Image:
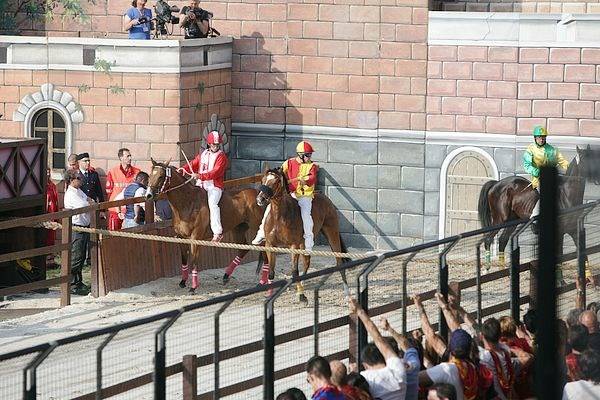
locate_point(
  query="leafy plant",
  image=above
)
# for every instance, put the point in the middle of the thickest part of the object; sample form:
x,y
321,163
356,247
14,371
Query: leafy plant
x,y
83,88
116,89
41,10
103,65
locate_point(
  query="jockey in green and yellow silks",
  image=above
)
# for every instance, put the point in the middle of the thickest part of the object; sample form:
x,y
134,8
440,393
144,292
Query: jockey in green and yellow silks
x,y
541,154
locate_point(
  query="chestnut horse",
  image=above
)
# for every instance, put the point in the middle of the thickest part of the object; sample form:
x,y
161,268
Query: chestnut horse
x,y
239,214
513,198
283,225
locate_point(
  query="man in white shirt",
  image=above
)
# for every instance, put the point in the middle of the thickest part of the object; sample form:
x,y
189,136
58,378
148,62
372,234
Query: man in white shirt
x,y
76,198
384,370
589,387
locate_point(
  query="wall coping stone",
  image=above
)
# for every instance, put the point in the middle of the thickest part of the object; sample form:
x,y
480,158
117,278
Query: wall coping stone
x,y
157,56
513,29
403,136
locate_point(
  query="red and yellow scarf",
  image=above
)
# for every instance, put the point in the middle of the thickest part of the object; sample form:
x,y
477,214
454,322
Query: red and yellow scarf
x,y
506,382
468,377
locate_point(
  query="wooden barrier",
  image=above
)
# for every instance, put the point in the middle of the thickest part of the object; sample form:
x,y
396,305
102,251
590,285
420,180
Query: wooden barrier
x,y
116,262
145,261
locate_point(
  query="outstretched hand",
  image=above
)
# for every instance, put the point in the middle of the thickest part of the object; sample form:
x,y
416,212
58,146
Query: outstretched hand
x,y
384,324
353,305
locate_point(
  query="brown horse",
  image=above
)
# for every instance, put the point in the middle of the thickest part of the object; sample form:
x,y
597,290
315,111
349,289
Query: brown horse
x,y
283,225
239,214
513,198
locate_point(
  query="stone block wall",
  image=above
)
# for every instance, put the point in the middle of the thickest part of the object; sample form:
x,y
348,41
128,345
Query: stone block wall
x,y
511,89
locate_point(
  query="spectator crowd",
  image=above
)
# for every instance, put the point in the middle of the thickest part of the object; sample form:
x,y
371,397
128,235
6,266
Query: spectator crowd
x,y
494,360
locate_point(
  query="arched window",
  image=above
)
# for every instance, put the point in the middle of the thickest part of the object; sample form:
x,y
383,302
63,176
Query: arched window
x,y
50,125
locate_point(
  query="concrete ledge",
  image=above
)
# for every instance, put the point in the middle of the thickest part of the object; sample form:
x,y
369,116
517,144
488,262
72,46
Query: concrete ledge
x,y
79,54
514,29
402,136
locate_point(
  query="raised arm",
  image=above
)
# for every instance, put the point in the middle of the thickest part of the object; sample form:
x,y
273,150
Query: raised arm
x,y
383,346
403,343
461,311
451,320
434,340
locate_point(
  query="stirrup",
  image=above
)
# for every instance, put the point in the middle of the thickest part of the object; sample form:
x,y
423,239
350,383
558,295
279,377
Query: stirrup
x,y
217,238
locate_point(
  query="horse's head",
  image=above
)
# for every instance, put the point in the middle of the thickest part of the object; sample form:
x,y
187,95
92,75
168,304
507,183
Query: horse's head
x,y
273,185
588,164
159,177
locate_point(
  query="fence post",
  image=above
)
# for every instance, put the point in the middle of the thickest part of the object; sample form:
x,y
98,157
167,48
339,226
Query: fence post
x,y
443,284
515,271
99,364
65,262
216,356
547,377
405,290
149,211
30,373
94,252
478,279
269,343
316,314
190,376
581,259
363,300
160,357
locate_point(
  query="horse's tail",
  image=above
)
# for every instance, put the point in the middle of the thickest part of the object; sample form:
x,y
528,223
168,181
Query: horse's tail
x,y
483,206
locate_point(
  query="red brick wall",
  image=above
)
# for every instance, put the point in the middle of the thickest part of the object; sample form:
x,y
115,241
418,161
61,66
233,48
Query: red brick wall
x,y
349,64
152,114
509,90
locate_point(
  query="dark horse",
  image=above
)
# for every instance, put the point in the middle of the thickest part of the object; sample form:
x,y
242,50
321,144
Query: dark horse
x,y
283,225
513,198
239,214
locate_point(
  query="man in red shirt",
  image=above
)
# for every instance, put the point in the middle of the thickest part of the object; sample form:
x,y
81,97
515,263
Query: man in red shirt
x,y
209,168
51,207
117,179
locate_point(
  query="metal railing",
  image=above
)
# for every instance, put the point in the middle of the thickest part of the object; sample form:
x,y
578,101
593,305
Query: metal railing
x,y
254,343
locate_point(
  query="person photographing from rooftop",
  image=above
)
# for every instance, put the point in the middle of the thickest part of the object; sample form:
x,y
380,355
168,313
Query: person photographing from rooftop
x,y
194,20
137,20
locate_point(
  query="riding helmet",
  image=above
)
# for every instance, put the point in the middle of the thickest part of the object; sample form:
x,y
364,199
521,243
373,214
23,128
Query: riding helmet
x,y
304,147
539,131
213,137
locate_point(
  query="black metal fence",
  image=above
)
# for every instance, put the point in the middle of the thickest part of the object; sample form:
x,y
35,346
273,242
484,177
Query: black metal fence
x,y
254,343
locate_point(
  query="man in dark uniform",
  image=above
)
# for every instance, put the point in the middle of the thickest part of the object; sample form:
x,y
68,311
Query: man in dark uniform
x,y
91,180
90,185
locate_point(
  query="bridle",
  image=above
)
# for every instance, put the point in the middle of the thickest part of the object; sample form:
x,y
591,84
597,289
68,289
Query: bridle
x,y
267,191
167,180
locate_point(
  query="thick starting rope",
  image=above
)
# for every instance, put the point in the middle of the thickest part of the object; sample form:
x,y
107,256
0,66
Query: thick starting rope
x,y
206,243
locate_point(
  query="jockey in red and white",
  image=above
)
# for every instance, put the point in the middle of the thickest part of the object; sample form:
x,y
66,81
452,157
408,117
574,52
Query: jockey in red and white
x,y
209,168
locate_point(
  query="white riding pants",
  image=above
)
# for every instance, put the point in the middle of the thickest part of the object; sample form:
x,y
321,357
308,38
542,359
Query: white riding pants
x,y
305,204
214,195
536,209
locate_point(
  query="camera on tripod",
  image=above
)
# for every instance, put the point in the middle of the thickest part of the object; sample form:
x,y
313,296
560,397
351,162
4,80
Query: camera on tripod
x,y
164,15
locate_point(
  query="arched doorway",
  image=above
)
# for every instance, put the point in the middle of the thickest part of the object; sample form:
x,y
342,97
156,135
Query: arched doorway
x,y
49,124
464,171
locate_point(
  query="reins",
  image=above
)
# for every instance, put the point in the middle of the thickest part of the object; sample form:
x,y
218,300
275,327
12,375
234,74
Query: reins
x,y
168,179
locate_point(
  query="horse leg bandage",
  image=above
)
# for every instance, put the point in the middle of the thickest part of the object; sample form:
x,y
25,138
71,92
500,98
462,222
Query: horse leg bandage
x,y
264,274
194,278
184,273
233,265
